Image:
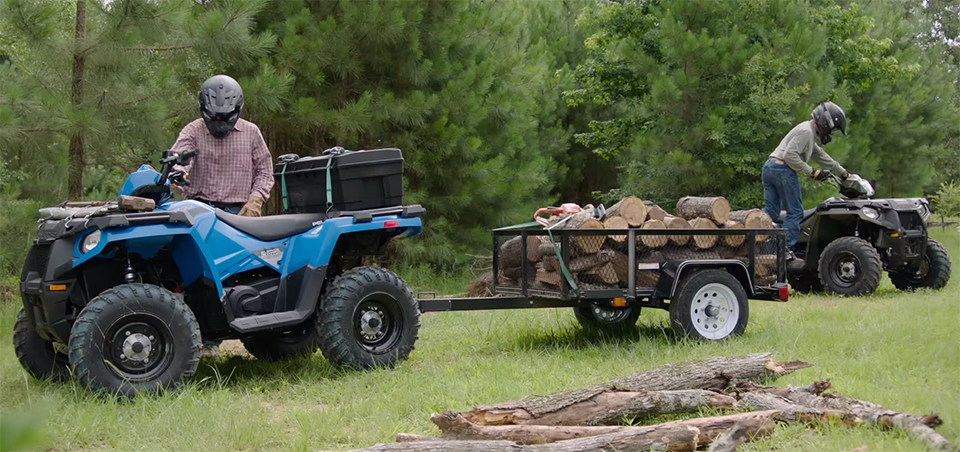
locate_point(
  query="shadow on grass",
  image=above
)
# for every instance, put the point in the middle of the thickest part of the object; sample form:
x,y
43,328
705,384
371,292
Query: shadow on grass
x,y
232,371
576,337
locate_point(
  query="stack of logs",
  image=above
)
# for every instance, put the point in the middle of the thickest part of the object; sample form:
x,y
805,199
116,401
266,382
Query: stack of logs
x,y
611,416
600,261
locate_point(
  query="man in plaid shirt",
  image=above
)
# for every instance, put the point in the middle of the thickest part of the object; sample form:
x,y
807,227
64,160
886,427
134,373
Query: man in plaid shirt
x,y
233,169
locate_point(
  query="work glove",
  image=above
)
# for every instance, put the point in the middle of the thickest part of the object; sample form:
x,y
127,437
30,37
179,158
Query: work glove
x,y
821,175
253,206
846,174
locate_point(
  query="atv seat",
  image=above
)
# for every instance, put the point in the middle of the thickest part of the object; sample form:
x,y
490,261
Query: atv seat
x,y
783,215
273,227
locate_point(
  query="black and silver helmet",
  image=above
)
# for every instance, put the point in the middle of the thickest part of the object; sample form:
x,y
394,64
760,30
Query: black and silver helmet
x,y
829,116
221,101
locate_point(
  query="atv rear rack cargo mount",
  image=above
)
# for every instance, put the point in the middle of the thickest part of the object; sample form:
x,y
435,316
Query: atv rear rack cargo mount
x,y
681,263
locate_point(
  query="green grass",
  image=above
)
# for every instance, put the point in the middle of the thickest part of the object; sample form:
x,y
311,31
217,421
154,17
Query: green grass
x,y
901,350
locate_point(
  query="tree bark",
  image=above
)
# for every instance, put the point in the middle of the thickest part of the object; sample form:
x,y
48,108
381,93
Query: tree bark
x,y
715,209
765,223
713,373
631,209
653,241
590,261
733,240
704,242
730,440
750,219
510,251
791,413
552,278
582,244
604,274
77,157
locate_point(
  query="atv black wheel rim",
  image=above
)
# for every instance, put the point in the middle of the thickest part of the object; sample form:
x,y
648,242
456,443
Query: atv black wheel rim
x,y
138,347
378,323
918,276
846,269
610,315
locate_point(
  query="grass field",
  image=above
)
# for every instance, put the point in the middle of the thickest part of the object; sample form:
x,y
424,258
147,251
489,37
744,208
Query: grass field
x,y
901,350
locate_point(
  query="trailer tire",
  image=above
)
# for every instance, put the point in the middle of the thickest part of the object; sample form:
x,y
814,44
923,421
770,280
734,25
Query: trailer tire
x,y
369,318
608,319
709,305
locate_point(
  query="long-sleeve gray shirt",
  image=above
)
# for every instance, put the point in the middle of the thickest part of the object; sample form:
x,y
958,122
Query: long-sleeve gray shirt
x,y
799,146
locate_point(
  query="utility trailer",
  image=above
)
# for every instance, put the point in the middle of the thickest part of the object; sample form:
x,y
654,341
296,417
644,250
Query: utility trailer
x,y
703,277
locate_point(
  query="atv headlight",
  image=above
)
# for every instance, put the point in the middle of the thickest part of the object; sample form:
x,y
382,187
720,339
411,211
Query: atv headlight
x,y
870,212
90,241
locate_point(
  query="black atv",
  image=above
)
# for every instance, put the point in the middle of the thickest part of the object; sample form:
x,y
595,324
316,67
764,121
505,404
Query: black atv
x,y
846,243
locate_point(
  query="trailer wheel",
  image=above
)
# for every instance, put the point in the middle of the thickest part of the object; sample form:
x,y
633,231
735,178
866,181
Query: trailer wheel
x,y
611,319
709,305
369,319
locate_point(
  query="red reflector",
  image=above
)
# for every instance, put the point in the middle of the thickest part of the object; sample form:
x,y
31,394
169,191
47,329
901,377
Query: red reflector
x,y
784,293
391,224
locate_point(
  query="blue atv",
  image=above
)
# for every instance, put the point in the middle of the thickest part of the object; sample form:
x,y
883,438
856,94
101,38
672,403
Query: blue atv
x,y
118,295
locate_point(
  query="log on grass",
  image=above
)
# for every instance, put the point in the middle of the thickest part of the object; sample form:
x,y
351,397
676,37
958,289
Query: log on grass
x,y
730,440
713,373
750,219
656,213
733,240
791,413
581,438
653,241
677,223
510,250
631,209
703,241
715,209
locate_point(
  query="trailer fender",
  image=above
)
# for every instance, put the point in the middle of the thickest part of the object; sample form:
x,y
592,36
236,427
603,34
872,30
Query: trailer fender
x,y
674,271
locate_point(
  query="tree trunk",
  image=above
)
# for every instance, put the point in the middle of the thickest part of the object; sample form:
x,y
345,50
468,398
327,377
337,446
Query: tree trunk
x,y
750,219
510,256
733,240
653,241
631,209
608,408
704,242
677,223
582,244
515,273
791,413
714,373
551,263
551,278
77,158
714,209
765,223
683,435
590,261
730,440
656,213
605,275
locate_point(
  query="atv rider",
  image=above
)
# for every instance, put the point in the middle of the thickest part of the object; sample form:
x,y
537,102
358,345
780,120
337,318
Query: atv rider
x,y
233,170
780,182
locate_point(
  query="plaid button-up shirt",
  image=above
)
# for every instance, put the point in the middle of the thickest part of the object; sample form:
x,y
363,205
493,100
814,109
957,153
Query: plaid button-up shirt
x,y
227,169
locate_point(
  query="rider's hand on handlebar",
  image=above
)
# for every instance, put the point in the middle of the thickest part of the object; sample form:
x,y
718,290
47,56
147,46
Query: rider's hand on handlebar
x,y
821,175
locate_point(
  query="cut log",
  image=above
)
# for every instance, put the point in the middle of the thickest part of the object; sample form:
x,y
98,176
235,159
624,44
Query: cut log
x,y
714,373
515,273
653,241
631,209
584,263
677,223
510,252
733,240
616,223
551,263
656,213
547,249
604,274
715,209
578,438
750,219
581,244
621,266
481,286
765,223
871,413
704,242
550,278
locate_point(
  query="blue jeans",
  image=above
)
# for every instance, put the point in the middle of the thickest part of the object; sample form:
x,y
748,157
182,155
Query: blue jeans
x,y
233,210
781,186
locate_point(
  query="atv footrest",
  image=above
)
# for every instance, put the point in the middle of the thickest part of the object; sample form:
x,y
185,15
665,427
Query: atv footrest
x,y
265,321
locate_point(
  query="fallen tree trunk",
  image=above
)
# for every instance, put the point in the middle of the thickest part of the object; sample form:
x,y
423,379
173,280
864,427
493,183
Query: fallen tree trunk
x,y
791,413
730,440
631,209
714,373
606,408
573,438
715,209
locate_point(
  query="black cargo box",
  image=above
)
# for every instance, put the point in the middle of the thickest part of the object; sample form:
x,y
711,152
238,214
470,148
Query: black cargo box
x,y
368,179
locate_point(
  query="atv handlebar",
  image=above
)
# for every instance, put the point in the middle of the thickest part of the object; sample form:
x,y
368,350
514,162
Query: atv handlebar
x,y
166,164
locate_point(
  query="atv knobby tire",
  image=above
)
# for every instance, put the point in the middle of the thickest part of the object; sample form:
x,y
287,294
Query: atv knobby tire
x,y
36,354
369,318
933,274
134,338
850,266
302,340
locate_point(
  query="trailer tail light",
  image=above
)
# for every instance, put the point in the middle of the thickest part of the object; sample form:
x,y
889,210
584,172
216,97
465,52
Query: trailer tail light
x,y
619,302
784,293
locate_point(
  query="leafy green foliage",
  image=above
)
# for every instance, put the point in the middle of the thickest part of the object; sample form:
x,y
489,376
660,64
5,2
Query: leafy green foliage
x,y
946,201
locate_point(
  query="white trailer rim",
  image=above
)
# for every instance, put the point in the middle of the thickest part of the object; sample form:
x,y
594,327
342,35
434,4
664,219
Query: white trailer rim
x,y
715,311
